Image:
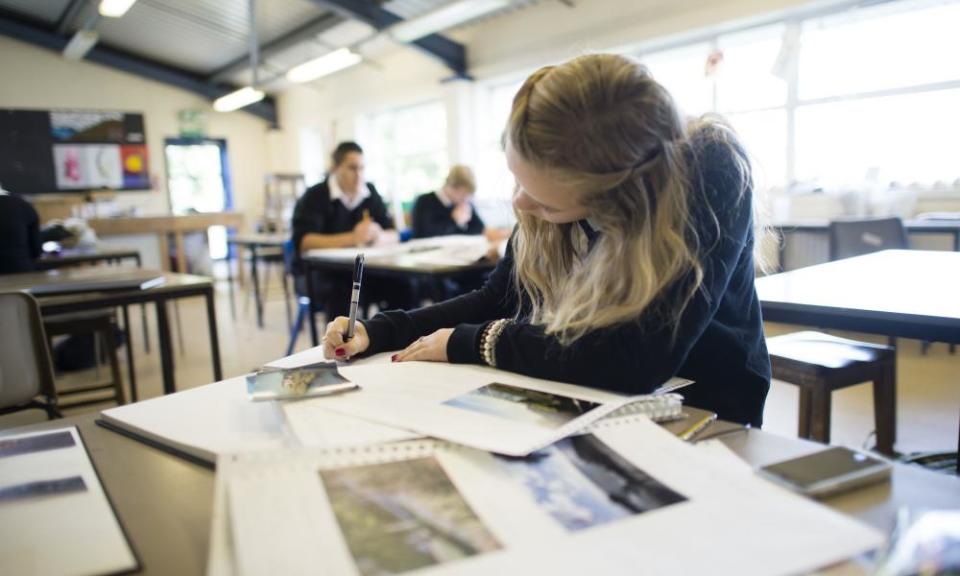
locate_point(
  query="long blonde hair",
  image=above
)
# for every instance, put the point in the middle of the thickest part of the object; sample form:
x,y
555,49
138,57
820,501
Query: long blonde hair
x,y
601,123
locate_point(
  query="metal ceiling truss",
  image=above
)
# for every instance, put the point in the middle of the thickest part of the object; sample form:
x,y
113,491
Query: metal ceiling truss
x,y
307,32
15,27
451,53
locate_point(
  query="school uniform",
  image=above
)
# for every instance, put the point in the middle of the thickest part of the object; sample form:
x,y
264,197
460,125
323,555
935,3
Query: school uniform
x,y
433,216
719,339
20,243
325,209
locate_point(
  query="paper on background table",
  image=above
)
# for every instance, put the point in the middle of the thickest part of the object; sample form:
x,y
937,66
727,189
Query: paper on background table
x,y
410,395
70,533
731,523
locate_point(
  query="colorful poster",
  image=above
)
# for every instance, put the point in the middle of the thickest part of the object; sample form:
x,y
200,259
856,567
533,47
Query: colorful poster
x,y
135,173
90,166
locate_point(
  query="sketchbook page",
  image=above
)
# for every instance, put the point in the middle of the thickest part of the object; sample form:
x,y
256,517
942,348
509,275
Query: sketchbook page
x,y
313,425
206,421
55,517
476,406
628,500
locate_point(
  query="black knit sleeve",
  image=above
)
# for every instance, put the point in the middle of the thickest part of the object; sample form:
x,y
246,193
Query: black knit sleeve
x,y
395,329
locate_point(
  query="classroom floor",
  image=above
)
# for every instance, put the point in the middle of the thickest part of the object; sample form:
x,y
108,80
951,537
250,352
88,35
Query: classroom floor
x,y
928,403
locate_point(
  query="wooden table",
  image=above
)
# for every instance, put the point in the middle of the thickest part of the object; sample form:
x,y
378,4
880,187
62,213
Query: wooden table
x,y
822,228
163,227
79,256
898,293
254,242
72,299
406,260
165,503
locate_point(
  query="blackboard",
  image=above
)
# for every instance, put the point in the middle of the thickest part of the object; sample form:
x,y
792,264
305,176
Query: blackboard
x,y
44,151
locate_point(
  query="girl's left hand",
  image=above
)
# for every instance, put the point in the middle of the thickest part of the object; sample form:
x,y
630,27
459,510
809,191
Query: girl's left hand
x,y
432,348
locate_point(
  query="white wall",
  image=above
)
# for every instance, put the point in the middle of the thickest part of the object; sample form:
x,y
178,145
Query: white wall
x,y
36,78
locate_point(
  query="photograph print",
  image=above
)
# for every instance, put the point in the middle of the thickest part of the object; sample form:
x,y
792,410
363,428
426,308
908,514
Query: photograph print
x,y
523,405
581,483
400,516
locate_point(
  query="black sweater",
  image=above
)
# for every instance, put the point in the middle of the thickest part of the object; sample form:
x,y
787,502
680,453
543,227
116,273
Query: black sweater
x,y
315,213
20,243
719,341
431,218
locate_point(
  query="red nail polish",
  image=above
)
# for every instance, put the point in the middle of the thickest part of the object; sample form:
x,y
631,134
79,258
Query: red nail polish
x,y
393,358
339,351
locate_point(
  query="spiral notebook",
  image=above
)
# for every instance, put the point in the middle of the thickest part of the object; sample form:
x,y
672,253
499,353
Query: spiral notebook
x,y
476,406
578,506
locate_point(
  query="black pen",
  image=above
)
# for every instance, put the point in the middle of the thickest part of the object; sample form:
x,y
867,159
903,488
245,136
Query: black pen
x,y
355,296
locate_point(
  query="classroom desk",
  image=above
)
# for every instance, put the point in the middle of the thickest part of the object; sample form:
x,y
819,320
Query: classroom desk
x,y
165,503
408,262
822,228
175,286
78,256
898,293
164,227
254,242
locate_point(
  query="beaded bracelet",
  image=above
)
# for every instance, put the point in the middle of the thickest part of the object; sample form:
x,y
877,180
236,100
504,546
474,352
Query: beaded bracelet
x,y
488,342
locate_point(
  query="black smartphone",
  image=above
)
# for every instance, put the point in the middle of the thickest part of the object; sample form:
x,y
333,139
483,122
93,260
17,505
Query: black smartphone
x,y
828,472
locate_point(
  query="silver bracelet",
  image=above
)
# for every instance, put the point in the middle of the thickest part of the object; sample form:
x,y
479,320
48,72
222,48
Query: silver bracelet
x,y
488,342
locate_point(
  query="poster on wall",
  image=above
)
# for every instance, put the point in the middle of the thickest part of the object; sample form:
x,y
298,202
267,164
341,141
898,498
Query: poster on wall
x,y
72,150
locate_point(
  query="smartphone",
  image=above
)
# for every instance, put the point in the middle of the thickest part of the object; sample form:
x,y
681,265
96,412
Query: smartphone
x,y
827,472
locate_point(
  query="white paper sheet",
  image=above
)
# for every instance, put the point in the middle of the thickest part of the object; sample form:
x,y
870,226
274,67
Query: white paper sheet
x,y
412,396
730,522
206,421
63,533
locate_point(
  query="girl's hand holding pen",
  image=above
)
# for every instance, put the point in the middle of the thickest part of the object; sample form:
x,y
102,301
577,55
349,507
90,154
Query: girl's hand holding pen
x,y
336,348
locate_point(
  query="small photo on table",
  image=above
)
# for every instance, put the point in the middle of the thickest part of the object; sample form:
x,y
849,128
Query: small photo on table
x,y
523,405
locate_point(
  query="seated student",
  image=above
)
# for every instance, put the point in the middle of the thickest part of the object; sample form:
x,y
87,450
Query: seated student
x,y
20,243
632,260
448,210
344,211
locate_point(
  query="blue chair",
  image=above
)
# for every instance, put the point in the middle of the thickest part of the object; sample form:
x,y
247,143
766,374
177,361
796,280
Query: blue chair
x,y
304,306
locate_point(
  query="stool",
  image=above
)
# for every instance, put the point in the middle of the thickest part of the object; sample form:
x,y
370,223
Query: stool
x,y
102,324
819,364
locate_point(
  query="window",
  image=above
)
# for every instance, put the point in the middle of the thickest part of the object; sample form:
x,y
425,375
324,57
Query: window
x,y
406,150
884,47
682,71
851,99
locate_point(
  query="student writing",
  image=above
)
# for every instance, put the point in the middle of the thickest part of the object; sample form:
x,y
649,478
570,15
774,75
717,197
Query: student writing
x,y
632,260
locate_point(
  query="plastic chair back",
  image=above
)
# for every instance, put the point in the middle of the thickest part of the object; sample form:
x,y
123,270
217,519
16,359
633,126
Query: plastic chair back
x,y
25,368
850,238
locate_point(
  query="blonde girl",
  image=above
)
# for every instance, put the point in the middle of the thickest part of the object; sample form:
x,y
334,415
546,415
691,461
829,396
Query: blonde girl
x,y
632,260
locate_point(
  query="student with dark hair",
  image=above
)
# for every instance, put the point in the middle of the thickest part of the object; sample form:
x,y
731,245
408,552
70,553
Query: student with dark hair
x,y
342,211
20,243
633,257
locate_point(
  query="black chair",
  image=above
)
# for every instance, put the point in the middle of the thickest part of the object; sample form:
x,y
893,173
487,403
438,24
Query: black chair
x,y
102,325
850,238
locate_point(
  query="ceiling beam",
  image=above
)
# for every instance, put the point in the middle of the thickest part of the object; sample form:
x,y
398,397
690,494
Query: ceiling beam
x,y
307,32
451,53
132,64
69,15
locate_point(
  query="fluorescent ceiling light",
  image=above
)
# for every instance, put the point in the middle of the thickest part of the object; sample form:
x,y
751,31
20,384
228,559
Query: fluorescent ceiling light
x,y
444,17
80,44
324,65
237,99
115,8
